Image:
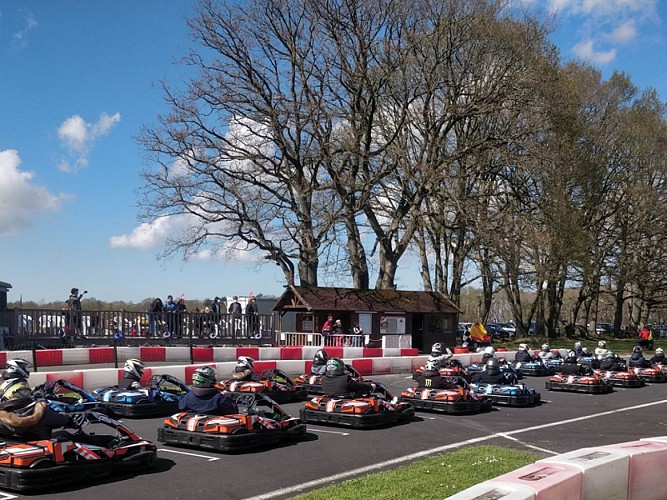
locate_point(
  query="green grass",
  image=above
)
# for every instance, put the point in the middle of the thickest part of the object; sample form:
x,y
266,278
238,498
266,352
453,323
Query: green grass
x,y
621,346
432,478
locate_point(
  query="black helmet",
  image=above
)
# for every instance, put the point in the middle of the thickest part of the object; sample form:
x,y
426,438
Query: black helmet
x,y
492,366
320,358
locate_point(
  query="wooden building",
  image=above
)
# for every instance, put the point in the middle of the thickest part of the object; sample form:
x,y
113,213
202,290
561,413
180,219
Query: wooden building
x,y
392,318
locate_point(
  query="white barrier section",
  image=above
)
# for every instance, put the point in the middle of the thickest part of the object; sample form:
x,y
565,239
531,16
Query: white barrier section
x,y
399,365
224,355
605,471
269,353
128,353
292,366
351,352
75,356
494,490
177,353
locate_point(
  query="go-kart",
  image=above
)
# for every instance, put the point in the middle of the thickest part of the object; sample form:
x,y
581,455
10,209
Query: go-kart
x,y
456,401
64,396
274,383
363,412
625,378
535,368
73,457
160,397
505,367
259,423
652,374
553,364
507,394
450,368
313,382
590,384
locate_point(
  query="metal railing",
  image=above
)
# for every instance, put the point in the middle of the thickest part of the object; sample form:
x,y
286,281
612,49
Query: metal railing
x,y
295,339
21,326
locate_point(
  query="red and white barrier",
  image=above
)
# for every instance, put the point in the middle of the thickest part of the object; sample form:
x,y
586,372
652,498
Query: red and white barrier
x,y
97,355
628,471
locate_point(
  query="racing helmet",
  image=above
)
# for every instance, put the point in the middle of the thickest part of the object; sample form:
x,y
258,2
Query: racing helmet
x,y
610,354
584,350
637,349
545,347
659,350
489,350
134,367
577,345
320,358
204,377
244,363
14,388
17,368
432,364
437,349
335,367
602,344
571,356
523,347
492,366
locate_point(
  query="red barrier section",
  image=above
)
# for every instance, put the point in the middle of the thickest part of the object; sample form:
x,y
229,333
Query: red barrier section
x,y
202,354
309,366
372,352
75,378
3,358
334,352
253,352
503,349
100,355
409,352
259,366
363,366
152,354
49,358
291,353
457,350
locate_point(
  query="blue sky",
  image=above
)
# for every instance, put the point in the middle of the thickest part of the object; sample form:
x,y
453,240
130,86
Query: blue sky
x,y
78,80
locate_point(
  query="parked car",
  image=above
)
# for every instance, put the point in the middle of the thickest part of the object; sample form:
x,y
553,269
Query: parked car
x,y
509,328
604,329
495,331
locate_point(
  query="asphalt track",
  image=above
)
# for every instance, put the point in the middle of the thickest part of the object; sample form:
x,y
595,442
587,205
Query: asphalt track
x,y
563,422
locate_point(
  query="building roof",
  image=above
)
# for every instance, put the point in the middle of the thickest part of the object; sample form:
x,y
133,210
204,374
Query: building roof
x,y
307,298
4,286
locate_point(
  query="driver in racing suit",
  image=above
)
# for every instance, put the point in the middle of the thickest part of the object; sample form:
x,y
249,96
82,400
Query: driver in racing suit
x,y
319,362
243,371
21,415
522,355
338,383
571,367
431,378
204,397
493,375
133,371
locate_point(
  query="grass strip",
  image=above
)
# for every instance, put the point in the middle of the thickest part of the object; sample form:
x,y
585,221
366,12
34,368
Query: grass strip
x,y
429,479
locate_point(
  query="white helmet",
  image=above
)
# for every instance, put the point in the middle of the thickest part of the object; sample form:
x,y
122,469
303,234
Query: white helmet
x,y
523,347
489,350
659,351
135,367
602,344
545,347
437,349
244,362
432,364
17,368
577,345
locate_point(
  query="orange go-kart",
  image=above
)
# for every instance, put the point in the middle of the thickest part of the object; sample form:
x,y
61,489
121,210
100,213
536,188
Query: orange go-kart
x,y
590,384
260,423
274,383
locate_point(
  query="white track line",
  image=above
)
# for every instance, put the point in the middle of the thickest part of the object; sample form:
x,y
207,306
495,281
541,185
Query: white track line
x,y
329,432
210,459
421,454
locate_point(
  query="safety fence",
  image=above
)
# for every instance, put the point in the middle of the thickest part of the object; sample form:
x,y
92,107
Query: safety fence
x,y
317,339
21,327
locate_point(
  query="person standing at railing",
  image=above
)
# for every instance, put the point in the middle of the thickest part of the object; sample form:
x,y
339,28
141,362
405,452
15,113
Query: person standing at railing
x,y
216,315
73,312
252,318
170,314
236,311
358,339
327,330
181,316
338,333
155,316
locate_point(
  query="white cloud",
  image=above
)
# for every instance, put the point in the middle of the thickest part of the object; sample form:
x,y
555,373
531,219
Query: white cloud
x,y
625,33
20,38
585,50
21,201
79,137
151,235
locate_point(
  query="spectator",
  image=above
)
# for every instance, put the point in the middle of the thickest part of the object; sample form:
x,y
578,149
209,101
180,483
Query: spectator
x,y
327,330
645,337
170,314
73,312
252,318
181,311
337,332
155,317
358,339
236,311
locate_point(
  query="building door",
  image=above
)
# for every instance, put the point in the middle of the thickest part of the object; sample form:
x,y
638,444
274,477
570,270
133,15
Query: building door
x,y
366,322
